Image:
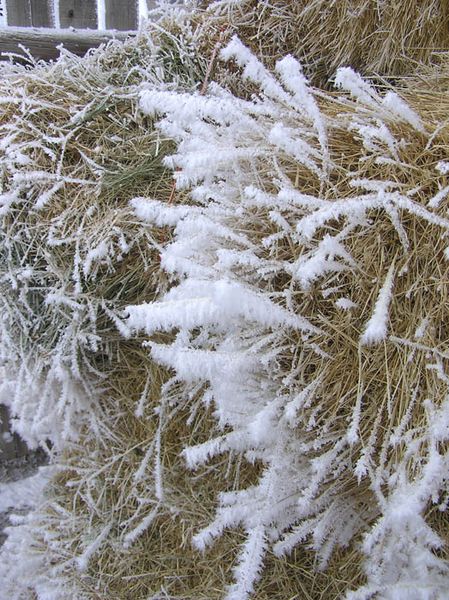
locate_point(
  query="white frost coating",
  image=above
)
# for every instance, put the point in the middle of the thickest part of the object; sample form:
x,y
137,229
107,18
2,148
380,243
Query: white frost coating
x,y
95,255
47,196
197,365
56,14
142,10
224,303
25,493
438,198
201,453
187,108
347,79
322,260
399,108
356,208
401,546
443,167
304,153
232,324
301,401
345,304
82,561
293,78
6,201
140,528
422,328
159,213
391,105
249,568
101,14
376,328
253,69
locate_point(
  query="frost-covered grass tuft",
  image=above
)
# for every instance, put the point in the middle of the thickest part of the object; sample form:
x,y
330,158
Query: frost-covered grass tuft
x,y
302,202
74,150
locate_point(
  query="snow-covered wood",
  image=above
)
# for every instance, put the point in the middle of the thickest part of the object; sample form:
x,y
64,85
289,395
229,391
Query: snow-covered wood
x,y
43,43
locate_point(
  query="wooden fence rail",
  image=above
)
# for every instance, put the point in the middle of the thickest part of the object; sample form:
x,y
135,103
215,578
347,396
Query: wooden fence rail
x,y
43,43
81,14
42,25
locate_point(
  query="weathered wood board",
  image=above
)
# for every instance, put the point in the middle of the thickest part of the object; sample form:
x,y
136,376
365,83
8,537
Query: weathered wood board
x,y
43,43
41,13
81,14
121,15
29,13
19,13
11,446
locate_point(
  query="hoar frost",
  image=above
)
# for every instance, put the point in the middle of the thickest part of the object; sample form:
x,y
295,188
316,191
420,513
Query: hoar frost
x,y
226,263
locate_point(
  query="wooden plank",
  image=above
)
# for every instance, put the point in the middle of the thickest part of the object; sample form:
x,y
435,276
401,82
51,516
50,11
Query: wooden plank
x,y
81,14
43,43
121,14
41,13
18,13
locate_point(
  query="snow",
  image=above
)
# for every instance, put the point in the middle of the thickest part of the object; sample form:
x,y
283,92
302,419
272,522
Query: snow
x,y
443,167
377,325
55,12
101,14
345,303
24,493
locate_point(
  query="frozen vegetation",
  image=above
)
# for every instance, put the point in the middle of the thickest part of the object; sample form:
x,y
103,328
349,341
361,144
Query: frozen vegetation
x,y
288,305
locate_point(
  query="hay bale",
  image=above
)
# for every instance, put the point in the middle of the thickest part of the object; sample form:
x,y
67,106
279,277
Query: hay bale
x,y
98,533
377,38
312,306
148,551
74,150
302,433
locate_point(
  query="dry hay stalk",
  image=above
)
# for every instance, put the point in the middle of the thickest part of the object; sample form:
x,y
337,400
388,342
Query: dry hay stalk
x,y
340,219
384,38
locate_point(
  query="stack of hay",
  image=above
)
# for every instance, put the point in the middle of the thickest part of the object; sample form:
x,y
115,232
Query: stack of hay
x,y
75,149
377,38
244,377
